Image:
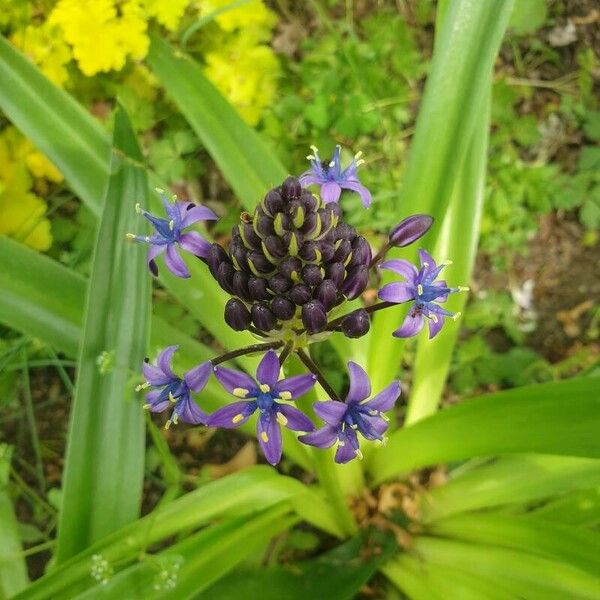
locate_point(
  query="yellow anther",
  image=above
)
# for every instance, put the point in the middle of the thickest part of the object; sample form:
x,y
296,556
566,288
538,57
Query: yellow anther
x,y
456,316
420,290
341,444
130,236
282,419
142,386
171,224
358,155
146,406
285,395
310,157
237,418
172,398
138,208
360,161
314,148
354,426
264,388
264,437
332,164
240,392
359,454
373,412
434,318
147,238
426,264
174,198
447,262
159,190
384,417
463,288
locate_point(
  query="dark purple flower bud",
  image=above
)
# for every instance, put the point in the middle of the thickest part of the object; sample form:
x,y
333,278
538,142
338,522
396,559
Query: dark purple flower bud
x,y
263,224
273,248
314,316
290,265
336,272
259,261
335,209
273,202
312,275
361,252
249,237
280,283
262,316
282,308
257,288
355,282
216,256
326,293
326,216
356,324
327,250
240,285
238,255
281,224
237,316
300,294
310,252
345,232
410,230
344,247
309,227
291,188
309,201
225,277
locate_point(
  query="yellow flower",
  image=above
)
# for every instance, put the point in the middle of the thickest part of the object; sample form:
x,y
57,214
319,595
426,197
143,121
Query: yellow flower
x,y
21,211
166,12
45,47
101,38
252,17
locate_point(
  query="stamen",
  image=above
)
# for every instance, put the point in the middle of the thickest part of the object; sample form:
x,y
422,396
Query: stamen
x,y
456,316
146,406
240,392
434,318
354,426
420,290
130,236
358,155
159,190
314,149
171,224
285,395
360,161
142,386
359,454
172,398
138,208
282,419
426,264
384,417
341,444
447,262
265,388
310,157
168,424
237,418
373,412
332,164
264,437
463,288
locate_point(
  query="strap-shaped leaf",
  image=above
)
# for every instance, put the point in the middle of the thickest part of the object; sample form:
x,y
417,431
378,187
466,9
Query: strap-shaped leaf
x,y
551,418
105,449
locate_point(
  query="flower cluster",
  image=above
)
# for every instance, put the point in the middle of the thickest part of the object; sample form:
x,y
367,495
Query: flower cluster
x,y
290,268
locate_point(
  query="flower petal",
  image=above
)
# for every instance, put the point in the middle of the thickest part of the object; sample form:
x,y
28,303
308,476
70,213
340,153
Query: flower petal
x,y
154,250
195,244
296,419
413,323
295,385
187,410
197,213
235,380
356,186
175,263
347,446
157,400
372,427
331,411
309,178
154,376
397,292
163,361
360,386
269,436
321,438
386,399
268,369
435,326
427,260
402,267
330,192
232,415
198,377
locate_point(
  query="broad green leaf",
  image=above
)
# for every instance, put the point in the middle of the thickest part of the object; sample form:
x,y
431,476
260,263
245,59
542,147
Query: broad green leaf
x,y
580,509
513,481
551,418
246,162
13,570
525,575
104,466
335,575
454,95
569,545
238,495
40,297
57,125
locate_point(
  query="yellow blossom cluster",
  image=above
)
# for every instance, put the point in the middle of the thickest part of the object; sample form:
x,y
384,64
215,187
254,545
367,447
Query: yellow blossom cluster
x,y
22,212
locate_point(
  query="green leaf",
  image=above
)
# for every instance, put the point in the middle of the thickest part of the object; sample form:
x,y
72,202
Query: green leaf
x,y
552,418
40,297
579,548
513,481
456,89
528,16
246,162
73,140
105,448
581,509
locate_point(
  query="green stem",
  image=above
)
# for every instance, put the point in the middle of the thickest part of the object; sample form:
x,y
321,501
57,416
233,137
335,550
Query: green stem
x,y
247,350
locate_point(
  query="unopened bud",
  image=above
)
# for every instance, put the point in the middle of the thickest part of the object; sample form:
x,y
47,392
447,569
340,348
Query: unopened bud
x,y
273,202
356,324
283,308
240,285
336,272
291,188
410,230
326,294
300,294
356,282
280,283
314,316
312,275
237,316
257,288
262,316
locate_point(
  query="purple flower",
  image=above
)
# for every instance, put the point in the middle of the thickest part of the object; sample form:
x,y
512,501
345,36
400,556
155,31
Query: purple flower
x,y
169,234
168,389
356,413
265,395
422,288
332,179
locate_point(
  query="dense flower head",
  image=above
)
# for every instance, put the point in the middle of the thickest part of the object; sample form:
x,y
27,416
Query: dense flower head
x,y
167,389
169,234
357,414
424,290
332,179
